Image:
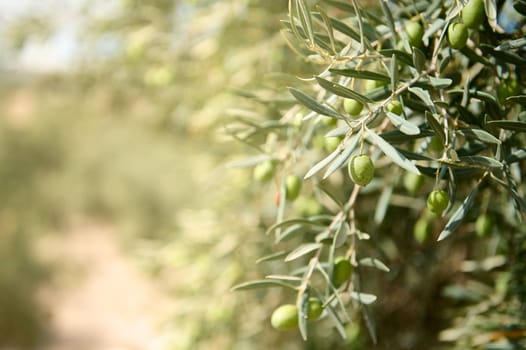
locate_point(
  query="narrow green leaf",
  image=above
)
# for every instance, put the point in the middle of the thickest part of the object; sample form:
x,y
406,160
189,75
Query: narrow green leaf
x,y
481,161
284,278
393,71
389,15
338,323
328,25
419,59
374,262
293,222
508,125
302,315
402,124
344,29
437,128
341,160
312,104
339,131
440,83
403,56
340,237
305,19
321,164
341,90
273,256
425,97
303,250
290,231
383,204
459,215
479,134
392,153
360,74
262,284
363,298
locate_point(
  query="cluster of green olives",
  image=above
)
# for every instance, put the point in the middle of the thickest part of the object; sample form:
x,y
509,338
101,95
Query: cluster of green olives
x,y
285,316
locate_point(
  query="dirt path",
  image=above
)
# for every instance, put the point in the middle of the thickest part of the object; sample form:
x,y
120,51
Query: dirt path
x,y
103,301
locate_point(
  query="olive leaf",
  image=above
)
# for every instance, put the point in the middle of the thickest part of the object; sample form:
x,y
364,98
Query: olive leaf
x,y
459,215
391,152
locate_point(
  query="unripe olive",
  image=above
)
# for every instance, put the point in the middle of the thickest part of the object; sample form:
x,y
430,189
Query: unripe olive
x,y
395,107
342,271
307,206
264,171
332,143
352,107
292,187
285,317
369,85
328,121
473,13
413,182
361,169
483,225
422,230
457,35
507,88
414,32
437,201
436,145
315,309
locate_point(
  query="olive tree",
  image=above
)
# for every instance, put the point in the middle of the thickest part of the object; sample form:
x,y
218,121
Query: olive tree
x,y
393,173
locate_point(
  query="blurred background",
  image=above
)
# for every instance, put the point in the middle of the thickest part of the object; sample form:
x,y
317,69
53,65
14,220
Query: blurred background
x,y
120,227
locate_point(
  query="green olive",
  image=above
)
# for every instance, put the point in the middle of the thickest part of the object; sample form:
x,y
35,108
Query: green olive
x,y
342,271
307,206
413,182
369,85
415,33
507,88
473,14
315,309
328,121
352,107
457,35
422,230
264,172
361,169
285,317
332,143
437,201
395,107
483,225
292,187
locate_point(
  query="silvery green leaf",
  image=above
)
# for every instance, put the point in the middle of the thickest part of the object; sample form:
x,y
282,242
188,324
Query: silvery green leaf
x,y
321,164
373,262
342,91
458,216
392,153
262,284
312,104
479,134
303,250
363,298
402,124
